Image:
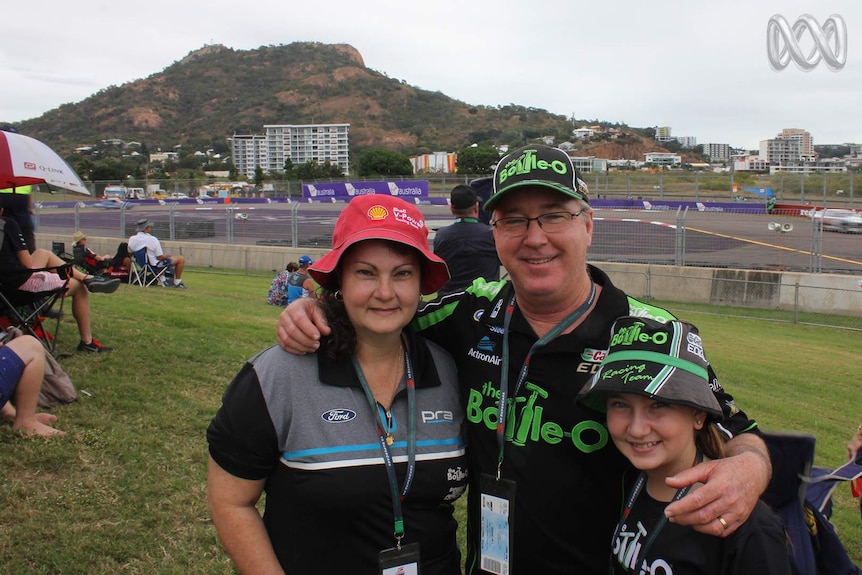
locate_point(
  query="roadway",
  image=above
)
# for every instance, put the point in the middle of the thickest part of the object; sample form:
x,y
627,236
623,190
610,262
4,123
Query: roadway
x,y
714,239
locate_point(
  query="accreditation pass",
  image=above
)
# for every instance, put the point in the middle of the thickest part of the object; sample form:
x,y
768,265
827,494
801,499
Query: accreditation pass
x,y
494,548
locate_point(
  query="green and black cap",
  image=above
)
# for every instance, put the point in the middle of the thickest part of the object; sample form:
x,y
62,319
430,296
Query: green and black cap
x,y
664,361
537,165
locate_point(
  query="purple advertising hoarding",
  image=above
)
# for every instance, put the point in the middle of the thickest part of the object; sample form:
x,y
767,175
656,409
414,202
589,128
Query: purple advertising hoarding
x,y
673,205
343,191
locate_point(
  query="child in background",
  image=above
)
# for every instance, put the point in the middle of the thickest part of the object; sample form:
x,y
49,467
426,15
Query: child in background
x,y
22,367
278,290
662,415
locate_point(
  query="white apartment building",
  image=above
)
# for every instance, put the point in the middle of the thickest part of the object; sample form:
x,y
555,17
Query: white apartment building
x,y
588,164
781,151
668,159
831,166
248,152
806,144
717,152
307,143
687,141
746,163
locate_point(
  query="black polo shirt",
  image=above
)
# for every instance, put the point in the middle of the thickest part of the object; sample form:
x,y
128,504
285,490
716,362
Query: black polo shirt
x,y
567,470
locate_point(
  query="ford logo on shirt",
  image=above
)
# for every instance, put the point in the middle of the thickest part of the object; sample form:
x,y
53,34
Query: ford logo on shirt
x,y
338,415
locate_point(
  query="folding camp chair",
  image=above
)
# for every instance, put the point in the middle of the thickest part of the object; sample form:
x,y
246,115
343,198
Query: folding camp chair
x,y
816,551
59,250
87,264
29,311
143,273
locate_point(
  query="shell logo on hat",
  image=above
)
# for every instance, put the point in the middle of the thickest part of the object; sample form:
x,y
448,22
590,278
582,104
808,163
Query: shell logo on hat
x,y
377,212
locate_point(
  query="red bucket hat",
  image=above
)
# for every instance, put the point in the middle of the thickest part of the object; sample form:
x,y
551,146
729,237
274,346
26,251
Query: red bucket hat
x,y
381,217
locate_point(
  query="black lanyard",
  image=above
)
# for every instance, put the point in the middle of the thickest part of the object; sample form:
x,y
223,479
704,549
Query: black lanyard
x,y
398,495
504,378
659,524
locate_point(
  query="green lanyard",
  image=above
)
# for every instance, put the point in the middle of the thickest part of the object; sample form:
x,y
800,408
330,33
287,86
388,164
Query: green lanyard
x,y
504,377
398,495
660,523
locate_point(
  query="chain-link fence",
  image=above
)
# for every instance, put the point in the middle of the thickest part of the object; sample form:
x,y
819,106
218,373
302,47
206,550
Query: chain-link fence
x,y
737,238
731,247
817,188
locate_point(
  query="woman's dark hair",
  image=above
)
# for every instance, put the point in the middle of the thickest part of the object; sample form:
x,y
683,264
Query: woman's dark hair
x,y
342,341
291,266
121,255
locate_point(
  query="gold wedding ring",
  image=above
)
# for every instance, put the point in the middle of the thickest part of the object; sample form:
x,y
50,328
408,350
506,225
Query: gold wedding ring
x,y
722,521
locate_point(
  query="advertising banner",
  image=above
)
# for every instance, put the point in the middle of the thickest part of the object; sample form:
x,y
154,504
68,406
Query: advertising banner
x,y
343,191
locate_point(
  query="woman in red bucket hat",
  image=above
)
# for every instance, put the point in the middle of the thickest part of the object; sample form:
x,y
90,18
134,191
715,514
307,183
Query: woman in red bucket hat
x,y
358,447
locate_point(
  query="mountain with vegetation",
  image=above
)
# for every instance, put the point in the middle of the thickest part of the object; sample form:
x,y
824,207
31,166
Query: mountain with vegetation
x,y
214,92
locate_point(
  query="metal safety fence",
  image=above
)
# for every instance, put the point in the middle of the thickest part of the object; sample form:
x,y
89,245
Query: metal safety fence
x,y
739,238
247,237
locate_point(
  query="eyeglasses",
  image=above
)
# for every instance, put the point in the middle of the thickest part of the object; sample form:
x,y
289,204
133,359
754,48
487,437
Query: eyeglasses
x,y
550,223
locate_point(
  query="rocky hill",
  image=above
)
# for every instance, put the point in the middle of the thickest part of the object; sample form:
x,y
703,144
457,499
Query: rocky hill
x,y
216,91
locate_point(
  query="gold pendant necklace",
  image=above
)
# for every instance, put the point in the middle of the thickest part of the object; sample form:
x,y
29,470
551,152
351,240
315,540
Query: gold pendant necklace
x,y
389,439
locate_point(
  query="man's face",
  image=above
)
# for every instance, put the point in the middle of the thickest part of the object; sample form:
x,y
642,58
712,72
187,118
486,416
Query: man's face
x,y
542,264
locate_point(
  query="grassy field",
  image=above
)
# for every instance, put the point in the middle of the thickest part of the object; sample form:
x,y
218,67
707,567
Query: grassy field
x,y
124,490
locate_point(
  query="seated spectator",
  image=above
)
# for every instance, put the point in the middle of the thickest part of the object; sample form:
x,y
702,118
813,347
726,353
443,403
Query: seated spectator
x,y
17,203
300,284
278,290
22,367
17,263
121,263
87,258
156,256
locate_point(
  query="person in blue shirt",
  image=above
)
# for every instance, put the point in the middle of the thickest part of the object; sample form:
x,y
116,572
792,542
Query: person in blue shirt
x,y
300,284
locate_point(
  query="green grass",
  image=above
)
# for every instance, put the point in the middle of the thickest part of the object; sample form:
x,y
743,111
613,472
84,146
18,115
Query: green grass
x,y
124,490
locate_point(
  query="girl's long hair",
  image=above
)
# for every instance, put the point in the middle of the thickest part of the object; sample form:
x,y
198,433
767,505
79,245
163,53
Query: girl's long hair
x,y
710,441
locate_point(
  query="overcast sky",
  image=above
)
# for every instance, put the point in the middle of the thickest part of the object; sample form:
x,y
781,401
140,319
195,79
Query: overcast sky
x,y
700,68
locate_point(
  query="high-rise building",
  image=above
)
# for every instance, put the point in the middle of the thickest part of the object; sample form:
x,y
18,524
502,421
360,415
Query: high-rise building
x,y
806,144
662,134
717,152
781,152
248,152
316,143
